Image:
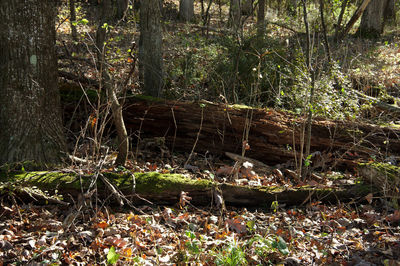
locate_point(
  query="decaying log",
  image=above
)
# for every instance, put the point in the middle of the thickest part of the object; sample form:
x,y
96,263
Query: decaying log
x,y
274,136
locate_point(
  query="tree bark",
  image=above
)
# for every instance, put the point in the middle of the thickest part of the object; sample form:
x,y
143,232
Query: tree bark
x,y
186,10
261,18
122,7
235,14
72,12
150,48
30,116
390,12
372,22
354,19
274,136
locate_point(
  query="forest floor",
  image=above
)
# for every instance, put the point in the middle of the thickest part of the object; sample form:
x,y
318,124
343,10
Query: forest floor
x,y
365,231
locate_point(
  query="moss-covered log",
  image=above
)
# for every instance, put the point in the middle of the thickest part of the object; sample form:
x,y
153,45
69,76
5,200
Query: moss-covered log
x,y
166,189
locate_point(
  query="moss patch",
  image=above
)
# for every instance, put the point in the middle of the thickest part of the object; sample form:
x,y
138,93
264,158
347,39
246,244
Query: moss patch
x,y
145,182
390,171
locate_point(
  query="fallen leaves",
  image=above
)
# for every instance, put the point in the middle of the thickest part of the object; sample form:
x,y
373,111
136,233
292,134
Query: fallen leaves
x,y
318,233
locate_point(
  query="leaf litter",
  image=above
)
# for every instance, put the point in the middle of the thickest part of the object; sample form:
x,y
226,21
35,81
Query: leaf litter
x,y
358,233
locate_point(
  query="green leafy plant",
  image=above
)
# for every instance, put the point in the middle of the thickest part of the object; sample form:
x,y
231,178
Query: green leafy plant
x,y
112,256
264,246
233,255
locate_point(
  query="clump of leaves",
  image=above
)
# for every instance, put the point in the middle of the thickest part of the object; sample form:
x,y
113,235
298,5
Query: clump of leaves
x,y
232,255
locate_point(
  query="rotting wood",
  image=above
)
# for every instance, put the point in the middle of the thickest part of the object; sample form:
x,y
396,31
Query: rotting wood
x,y
274,135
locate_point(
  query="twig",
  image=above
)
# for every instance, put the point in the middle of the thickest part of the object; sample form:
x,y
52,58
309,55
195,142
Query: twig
x,y
197,137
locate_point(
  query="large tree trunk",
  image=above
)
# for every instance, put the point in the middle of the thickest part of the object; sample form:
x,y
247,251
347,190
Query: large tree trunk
x,y
30,117
274,136
186,10
372,22
150,47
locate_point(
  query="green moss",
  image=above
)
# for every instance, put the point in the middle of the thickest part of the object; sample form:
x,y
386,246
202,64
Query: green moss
x,y
384,169
239,106
156,182
335,176
145,182
45,180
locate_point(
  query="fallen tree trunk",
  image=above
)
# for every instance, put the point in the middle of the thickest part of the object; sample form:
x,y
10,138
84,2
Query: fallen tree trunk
x,y
274,137
166,189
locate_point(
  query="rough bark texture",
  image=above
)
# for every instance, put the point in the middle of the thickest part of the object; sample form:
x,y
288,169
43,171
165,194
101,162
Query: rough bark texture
x,y
372,18
186,10
72,13
150,47
390,12
261,17
273,137
354,19
30,117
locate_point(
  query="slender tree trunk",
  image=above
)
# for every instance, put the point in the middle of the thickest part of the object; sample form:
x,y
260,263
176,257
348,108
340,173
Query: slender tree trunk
x,y
307,136
30,116
186,10
372,22
235,14
327,49
261,18
109,84
150,48
72,20
105,17
339,22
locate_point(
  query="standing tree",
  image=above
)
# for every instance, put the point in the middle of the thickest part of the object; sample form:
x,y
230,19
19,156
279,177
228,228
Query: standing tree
x,y
186,10
235,14
30,113
372,20
261,18
122,7
150,48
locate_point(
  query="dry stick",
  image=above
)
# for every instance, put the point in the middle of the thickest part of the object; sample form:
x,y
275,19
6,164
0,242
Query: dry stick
x,y
140,130
176,129
197,137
